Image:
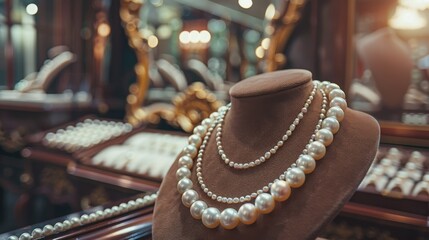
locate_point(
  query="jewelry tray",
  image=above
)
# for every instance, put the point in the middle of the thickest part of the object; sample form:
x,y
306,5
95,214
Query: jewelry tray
x,y
392,205
79,162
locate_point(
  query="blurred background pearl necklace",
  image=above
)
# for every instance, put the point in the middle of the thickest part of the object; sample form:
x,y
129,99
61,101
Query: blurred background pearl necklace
x,y
273,150
280,189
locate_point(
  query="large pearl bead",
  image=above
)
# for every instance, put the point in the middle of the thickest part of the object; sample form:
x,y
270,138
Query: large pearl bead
x,y
197,209
183,172
325,136
185,161
337,93
306,163
248,213
190,150
296,177
214,115
211,217
200,130
195,140
280,190
317,150
189,197
184,184
331,124
265,203
207,122
229,218
331,86
340,102
336,112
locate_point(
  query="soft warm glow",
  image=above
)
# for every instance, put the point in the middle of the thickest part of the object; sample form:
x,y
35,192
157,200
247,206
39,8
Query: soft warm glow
x,y
152,41
270,12
245,3
265,44
205,36
407,19
103,29
194,36
259,52
32,9
415,4
184,37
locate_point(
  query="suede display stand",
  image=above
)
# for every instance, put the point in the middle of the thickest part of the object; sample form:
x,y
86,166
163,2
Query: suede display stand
x,y
263,107
389,59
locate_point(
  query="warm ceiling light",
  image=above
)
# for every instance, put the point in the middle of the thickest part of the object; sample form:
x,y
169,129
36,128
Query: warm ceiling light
x,y
259,52
152,41
184,37
103,29
245,3
31,9
406,19
265,43
194,36
270,12
205,36
416,4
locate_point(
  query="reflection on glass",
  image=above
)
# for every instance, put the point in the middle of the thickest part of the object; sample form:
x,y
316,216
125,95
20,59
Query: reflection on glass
x,y
392,65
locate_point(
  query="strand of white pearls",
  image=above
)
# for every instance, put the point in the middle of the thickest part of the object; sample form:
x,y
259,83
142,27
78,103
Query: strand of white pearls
x,y
99,215
265,188
273,150
280,190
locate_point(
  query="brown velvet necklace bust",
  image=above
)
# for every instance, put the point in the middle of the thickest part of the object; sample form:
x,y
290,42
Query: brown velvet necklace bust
x,y
263,107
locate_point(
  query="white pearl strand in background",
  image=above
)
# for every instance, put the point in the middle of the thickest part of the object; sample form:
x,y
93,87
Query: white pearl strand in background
x,y
280,190
85,134
309,164
268,154
99,215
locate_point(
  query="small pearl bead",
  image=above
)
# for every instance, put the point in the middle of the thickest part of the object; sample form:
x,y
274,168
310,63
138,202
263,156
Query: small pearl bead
x,y
340,102
211,217
336,112
195,140
229,218
280,190
324,136
185,161
48,229
182,173
184,184
197,209
248,213
296,177
265,203
306,163
189,197
317,150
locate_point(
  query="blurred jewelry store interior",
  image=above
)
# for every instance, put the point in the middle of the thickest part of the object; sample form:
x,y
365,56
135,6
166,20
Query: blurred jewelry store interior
x,y
99,98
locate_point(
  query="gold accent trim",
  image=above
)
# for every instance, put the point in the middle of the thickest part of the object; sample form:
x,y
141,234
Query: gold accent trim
x,y
282,26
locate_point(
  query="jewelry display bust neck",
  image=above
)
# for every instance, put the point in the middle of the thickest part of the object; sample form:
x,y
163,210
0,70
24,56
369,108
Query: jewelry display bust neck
x,y
262,109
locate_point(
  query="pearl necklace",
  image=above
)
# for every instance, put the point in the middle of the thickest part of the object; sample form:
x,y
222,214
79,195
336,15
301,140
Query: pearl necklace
x,y
248,197
267,155
280,189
